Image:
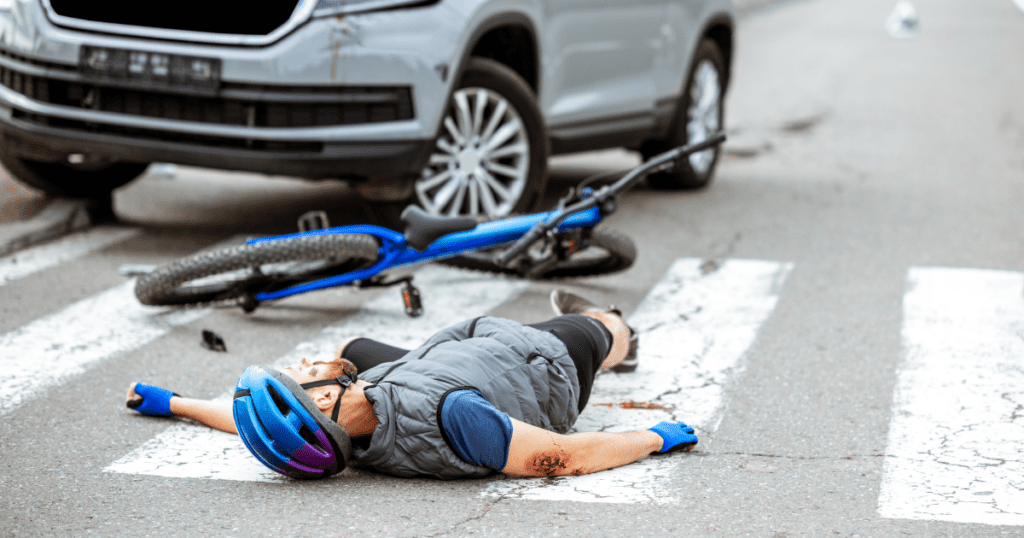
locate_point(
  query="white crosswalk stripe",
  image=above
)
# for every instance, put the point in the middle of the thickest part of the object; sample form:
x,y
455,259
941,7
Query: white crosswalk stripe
x,y
957,427
52,349
694,329
33,260
452,295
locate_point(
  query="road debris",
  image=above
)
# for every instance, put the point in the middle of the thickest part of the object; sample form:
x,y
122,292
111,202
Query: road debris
x,y
213,341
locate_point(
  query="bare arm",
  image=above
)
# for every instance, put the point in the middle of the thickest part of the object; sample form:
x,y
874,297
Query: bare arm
x,y
535,451
213,413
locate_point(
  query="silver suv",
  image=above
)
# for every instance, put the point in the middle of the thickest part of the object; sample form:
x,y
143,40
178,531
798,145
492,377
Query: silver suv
x,y
455,104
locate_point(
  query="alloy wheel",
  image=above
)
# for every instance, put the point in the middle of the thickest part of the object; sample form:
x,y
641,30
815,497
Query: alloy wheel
x,y
704,116
480,164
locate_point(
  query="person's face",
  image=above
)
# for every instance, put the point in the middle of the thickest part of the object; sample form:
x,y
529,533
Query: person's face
x,y
307,371
324,397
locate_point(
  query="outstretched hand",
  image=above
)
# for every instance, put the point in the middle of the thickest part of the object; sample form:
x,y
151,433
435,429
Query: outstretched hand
x,y
150,400
675,435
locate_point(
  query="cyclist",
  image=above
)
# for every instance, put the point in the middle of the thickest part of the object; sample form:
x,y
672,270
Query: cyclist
x,y
486,394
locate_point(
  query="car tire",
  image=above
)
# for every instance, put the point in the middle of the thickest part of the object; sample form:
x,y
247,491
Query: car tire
x,y
94,181
699,113
490,156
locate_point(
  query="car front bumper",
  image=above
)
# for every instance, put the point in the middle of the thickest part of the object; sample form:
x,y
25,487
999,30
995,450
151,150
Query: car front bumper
x,y
337,97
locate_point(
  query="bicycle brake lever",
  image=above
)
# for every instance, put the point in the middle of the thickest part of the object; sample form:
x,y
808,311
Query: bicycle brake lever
x,y
683,152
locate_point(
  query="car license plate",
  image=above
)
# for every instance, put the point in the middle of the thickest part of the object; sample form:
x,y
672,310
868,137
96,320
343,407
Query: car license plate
x,y
149,69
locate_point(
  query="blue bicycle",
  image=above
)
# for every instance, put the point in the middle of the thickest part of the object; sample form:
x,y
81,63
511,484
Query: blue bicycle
x,y
561,243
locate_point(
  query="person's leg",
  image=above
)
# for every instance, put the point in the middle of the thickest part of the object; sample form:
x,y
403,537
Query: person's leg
x,y
365,353
623,356
620,336
588,343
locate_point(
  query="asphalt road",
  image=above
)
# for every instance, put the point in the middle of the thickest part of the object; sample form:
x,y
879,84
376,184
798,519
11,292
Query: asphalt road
x,y
856,159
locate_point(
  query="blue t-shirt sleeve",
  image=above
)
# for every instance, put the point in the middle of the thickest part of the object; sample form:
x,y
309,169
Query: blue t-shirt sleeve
x,y
478,431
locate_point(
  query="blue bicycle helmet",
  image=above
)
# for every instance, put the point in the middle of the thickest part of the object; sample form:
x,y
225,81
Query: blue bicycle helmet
x,y
284,429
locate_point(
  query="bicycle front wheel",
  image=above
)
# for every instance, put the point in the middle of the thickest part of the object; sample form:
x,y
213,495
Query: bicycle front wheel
x,y
609,252
245,270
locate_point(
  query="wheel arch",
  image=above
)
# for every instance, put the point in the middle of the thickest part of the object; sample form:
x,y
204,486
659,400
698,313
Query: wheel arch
x,y
721,30
511,40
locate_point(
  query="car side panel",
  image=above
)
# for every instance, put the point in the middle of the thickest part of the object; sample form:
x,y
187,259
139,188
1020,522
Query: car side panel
x,y
685,22
598,60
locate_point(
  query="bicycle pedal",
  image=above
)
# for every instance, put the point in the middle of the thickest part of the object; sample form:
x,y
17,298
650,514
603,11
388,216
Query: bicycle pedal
x,y
313,220
248,303
411,299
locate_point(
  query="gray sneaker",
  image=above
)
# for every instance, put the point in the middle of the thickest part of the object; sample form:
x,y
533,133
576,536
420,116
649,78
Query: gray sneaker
x,y
564,302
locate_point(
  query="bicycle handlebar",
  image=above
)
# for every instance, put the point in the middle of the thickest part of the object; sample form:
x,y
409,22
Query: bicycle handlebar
x,y
657,163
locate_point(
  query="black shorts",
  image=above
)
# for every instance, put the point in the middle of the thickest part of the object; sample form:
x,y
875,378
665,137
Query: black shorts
x,y
586,340
588,343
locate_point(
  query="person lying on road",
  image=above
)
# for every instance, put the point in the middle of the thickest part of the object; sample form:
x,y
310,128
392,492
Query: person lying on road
x,y
486,394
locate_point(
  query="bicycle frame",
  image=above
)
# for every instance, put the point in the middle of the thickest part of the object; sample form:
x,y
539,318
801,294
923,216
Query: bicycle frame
x,y
520,231
395,252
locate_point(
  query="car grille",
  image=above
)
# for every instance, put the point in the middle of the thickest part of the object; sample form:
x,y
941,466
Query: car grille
x,y
233,104
226,17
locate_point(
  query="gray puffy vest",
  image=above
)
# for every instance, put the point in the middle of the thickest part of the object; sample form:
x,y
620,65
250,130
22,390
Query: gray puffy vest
x,y
522,371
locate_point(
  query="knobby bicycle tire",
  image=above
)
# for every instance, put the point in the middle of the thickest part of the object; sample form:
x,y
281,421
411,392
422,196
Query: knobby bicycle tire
x,y
169,285
618,254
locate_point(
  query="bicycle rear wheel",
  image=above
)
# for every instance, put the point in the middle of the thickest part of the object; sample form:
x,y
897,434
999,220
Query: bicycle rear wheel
x,y
245,270
609,252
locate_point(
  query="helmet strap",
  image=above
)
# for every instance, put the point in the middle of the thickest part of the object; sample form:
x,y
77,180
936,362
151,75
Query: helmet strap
x,y
343,381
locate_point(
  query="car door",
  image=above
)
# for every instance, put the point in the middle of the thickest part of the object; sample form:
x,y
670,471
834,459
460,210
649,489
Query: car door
x,y
679,28
599,59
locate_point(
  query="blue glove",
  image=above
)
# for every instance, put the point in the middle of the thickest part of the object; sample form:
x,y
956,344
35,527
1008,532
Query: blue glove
x,y
153,401
676,435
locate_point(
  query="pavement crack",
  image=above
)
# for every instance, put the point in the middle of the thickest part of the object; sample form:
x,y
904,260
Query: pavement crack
x,y
1018,408
454,528
803,458
684,316
716,261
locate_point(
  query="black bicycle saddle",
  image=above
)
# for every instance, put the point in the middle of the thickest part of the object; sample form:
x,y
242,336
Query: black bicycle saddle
x,y
422,228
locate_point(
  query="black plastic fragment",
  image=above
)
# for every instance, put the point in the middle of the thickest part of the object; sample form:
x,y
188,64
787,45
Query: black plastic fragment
x,y
213,341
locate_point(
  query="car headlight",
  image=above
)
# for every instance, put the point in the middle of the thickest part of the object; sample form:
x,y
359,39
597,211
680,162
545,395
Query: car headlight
x,y
326,8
